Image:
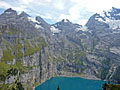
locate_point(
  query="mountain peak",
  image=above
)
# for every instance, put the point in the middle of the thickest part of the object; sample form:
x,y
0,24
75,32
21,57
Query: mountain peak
x,y
9,11
42,22
115,9
24,14
65,20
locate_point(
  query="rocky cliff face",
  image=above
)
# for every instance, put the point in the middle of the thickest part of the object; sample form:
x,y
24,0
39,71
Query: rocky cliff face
x,y
32,51
21,50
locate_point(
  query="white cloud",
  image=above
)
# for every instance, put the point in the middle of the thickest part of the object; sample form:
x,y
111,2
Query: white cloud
x,y
26,1
20,9
59,4
74,14
97,5
48,0
63,16
47,16
77,11
82,22
4,5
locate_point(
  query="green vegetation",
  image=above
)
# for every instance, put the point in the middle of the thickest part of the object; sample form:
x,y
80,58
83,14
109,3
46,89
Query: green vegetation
x,y
29,51
36,84
111,86
27,44
13,86
4,87
7,44
105,68
4,68
80,56
32,48
10,70
21,67
7,55
18,51
15,51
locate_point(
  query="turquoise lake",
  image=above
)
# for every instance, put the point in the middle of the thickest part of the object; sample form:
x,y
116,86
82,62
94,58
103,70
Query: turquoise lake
x,y
71,83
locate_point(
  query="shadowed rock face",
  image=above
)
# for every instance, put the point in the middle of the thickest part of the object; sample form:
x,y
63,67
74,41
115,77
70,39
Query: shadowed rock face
x,y
63,48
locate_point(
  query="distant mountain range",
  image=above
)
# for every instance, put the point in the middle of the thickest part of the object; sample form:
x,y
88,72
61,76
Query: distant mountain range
x,y
32,51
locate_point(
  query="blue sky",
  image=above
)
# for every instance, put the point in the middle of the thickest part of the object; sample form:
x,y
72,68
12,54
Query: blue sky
x,y
77,11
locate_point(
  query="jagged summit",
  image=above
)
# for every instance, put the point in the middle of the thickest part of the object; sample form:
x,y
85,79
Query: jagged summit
x,y
115,10
24,14
8,15
107,19
65,20
113,14
39,19
10,10
96,22
42,22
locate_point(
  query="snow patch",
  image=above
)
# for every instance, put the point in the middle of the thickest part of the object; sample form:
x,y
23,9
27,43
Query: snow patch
x,y
83,28
113,24
102,14
38,26
54,30
33,20
8,12
99,19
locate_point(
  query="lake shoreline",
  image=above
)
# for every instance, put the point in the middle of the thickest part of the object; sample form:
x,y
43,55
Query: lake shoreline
x,y
80,76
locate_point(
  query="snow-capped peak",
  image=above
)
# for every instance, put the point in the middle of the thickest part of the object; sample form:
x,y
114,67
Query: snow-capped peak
x,y
24,14
113,14
110,17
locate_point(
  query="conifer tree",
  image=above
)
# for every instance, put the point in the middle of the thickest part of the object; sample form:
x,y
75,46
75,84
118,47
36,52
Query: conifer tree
x,y
58,88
